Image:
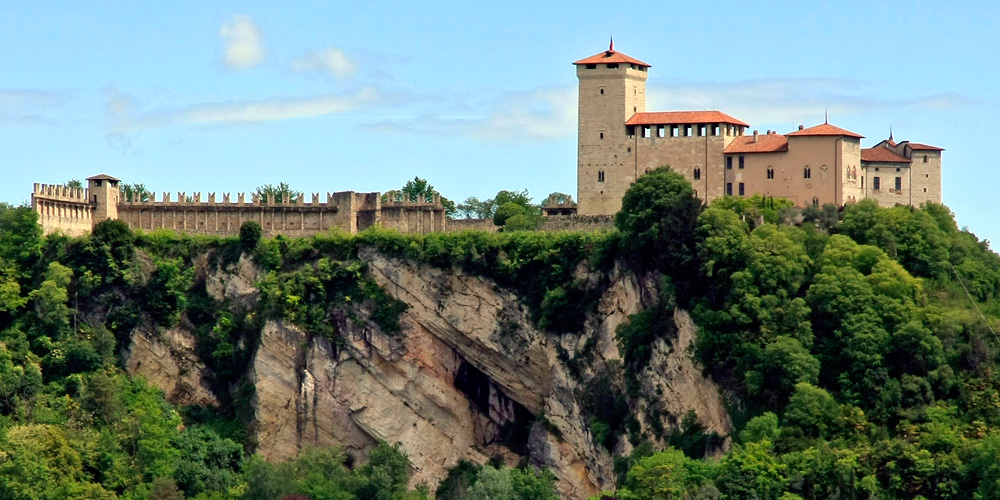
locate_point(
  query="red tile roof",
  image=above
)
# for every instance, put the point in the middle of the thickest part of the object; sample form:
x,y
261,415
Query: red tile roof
x,y
682,117
766,143
611,56
824,129
882,155
924,147
102,177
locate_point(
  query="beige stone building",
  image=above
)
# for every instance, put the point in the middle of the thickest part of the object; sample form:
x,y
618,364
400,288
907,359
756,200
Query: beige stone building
x,y
618,141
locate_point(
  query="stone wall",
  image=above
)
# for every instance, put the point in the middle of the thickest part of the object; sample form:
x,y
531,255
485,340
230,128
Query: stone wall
x,y
62,208
579,223
472,225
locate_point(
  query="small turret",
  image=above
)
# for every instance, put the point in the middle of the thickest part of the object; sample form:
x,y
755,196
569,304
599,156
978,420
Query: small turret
x,y
104,194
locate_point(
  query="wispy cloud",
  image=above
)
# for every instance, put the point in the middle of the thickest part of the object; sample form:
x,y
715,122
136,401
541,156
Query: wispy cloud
x,y
26,107
124,119
531,116
786,100
330,60
244,47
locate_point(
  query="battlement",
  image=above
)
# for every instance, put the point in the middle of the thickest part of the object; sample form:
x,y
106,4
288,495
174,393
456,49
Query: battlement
x,y
399,199
60,192
240,200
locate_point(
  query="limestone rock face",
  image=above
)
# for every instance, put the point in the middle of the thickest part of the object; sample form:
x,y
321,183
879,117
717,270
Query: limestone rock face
x,y
468,377
168,361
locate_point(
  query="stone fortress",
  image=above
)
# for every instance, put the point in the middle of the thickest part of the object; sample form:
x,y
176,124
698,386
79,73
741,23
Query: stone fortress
x,y
618,141
74,211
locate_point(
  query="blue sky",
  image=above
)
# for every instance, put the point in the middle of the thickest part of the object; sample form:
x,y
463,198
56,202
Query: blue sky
x,y
475,97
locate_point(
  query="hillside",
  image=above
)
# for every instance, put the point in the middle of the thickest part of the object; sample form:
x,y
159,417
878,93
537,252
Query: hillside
x,y
742,350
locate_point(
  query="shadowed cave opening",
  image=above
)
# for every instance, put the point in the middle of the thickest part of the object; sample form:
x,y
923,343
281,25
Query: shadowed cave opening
x,y
513,419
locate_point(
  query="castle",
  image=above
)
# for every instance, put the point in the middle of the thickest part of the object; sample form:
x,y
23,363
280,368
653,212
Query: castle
x,y
74,211
618,141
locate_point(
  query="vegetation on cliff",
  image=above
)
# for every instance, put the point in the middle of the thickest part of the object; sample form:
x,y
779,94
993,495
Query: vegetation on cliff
x,y
856,348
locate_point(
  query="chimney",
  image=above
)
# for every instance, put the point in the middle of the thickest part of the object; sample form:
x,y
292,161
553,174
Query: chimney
x,y
755,136
801,127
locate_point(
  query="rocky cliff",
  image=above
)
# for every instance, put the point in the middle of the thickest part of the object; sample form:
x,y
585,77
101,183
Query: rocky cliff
x,y
468,377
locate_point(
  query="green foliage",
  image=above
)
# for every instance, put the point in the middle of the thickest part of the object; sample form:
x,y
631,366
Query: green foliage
x,y
657,224
419,190
250,235
282,193
135,192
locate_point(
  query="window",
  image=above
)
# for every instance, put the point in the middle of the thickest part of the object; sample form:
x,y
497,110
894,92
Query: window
x,y
661,131
876,183
591,66
927,176
925,190
742,192
629,150
645,131
729,189
702,131
729,163
897,169
602,91
687,130
815,201
630,130
899,183
97,182
741,162
602,135
715,129
862,183
600,176
613,66
807,173
697,173
770,172
876,169
674,131
925,158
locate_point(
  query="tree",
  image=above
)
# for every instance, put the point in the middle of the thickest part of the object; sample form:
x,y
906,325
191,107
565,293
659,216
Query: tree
x,y
20,237
281,193
420,191
135,192
473,208
74,183
250,235
658,220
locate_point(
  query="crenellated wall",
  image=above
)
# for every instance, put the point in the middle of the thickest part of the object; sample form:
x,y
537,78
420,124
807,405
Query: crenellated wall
x,y
62,208
73,211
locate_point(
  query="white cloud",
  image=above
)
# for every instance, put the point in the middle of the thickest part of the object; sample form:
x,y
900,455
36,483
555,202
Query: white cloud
x,y
329,60
26,107
123,120
537,115
243,42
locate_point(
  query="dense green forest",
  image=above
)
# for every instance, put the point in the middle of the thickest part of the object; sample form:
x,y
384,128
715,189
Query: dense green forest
x,y
856,349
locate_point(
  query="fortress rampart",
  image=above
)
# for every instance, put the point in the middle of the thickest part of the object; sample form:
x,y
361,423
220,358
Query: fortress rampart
x,y
74,211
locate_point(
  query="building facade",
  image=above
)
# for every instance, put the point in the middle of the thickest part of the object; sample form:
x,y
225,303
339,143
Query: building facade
x,y
618,141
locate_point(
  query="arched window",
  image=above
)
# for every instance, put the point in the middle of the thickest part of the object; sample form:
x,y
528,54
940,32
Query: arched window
x,y
815,201
600,176
770,172
807,172
697,173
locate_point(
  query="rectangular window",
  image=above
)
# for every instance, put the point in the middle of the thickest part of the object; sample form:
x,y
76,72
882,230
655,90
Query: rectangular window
x,y
729,189
645,132
591,66
899,183
702,131
715,129
630,130
661,131
600,176
697,173
741,161
742,192
674,131
687,130
729,163
613,66
876,184
925,158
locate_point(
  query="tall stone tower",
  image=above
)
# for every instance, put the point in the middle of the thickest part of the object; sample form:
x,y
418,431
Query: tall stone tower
x,y
612,89
104,194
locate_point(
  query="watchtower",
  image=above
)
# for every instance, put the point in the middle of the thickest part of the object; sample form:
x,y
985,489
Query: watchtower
x,y
104,194
612,89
